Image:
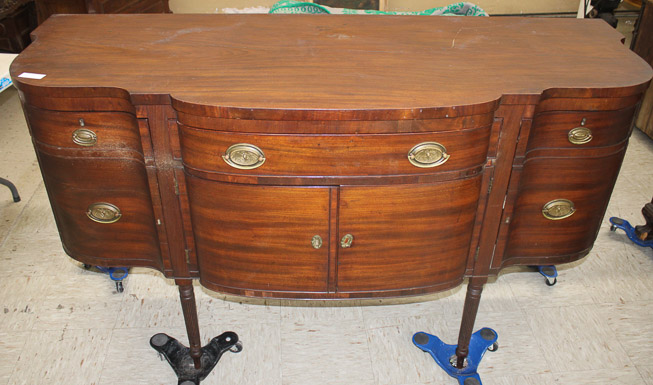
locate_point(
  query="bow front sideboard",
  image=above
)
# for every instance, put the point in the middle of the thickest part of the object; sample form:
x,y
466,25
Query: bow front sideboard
x,y
324,157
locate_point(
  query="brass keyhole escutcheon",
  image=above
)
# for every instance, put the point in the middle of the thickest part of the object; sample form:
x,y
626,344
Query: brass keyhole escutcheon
x,y
102,212
346,241
84,137
428,154
244,156
558,209
316,241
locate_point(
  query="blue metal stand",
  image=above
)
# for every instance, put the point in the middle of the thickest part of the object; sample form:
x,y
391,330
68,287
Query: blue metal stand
x,y
445,355
117,274
550,274
618,223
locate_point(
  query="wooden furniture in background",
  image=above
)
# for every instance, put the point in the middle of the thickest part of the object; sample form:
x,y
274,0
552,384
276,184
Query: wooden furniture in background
x,y
226,149
17,20
642,44
46,8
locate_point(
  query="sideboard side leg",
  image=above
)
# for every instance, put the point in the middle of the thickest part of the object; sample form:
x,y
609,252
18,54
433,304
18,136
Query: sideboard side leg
x,y
472,301
189,308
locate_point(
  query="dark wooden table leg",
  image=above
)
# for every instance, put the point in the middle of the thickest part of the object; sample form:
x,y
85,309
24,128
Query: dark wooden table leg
x,y
189,308
472,300
192,364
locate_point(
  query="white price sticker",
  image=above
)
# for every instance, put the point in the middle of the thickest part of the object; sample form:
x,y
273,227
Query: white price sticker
x,y
30,75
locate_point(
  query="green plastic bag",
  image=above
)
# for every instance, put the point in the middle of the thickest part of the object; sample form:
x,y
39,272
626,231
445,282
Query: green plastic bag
x,y
457,9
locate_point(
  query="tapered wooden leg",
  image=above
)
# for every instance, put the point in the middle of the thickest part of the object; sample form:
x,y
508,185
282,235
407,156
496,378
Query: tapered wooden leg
x,y
189,308
472,300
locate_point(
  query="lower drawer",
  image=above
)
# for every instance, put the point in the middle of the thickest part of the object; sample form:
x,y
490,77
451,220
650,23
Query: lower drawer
x,y
103,209
560,205
106,228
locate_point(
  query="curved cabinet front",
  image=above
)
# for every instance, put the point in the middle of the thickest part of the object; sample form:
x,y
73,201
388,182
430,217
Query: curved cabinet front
x,y
282,241
260,238
559,208
91,231
406,237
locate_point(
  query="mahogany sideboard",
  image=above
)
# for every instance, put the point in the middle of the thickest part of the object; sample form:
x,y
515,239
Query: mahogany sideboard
x,y
327,156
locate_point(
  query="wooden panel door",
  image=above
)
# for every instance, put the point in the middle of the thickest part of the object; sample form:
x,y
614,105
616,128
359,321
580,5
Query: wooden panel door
x,y
406,236
260,238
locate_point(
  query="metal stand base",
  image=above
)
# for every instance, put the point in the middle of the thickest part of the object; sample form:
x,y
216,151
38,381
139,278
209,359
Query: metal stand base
x,y
550,274
178,356
445,355
117,274
618,223
12,188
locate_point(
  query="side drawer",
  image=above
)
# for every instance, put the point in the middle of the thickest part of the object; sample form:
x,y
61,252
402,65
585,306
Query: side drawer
x,y
103,209
580,129
129,241
93,173
573,193
350,155
84,130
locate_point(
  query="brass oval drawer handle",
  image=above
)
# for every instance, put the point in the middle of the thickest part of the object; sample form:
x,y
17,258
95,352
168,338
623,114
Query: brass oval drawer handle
x,y
428,154
316,242
346,241
580,135
244,156
84,137
102,212
558,209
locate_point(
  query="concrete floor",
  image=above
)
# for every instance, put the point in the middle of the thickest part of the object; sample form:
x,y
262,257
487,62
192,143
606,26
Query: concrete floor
x,y
61,324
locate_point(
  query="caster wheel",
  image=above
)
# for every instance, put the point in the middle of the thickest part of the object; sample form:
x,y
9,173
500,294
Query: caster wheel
x,y
237,348
87,266
119,287
494,347
613,228
550,282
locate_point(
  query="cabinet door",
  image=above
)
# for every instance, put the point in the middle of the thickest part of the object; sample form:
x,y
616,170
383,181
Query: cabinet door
x,y
260,238
407,236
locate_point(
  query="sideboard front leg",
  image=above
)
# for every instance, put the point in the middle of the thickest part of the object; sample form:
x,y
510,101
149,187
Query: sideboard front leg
x,y
470,309
187,297
461,361
193,364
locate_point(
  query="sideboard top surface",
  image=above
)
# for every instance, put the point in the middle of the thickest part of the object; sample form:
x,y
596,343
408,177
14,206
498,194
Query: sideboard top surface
x,y
327,63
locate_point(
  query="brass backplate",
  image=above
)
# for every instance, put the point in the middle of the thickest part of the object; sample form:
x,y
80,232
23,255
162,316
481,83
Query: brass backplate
x,y
558,209
103,212
244,156
428,154
84,137
580,135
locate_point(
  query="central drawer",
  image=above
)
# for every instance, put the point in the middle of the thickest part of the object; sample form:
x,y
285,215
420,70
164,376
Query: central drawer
x,y
331,155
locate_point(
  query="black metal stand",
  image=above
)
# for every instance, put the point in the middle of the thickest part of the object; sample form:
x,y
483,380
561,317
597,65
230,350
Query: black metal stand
x,y
14,192
178,355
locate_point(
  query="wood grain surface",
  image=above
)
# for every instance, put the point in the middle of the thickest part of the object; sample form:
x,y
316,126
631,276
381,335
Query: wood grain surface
x,y
586,181
328,155
336,67
259,237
